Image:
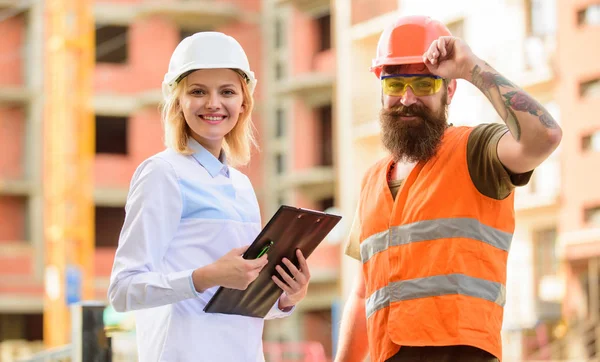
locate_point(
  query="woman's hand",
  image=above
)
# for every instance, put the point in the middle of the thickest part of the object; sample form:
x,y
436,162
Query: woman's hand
x,y
294,286
230,271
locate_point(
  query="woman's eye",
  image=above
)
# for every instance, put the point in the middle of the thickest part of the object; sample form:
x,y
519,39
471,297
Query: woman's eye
x,y
228,92
197,92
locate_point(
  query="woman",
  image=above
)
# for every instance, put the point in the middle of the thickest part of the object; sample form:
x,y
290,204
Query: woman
x,y
190,215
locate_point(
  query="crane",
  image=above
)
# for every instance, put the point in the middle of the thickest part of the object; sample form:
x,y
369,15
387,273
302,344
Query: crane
x,y
69,147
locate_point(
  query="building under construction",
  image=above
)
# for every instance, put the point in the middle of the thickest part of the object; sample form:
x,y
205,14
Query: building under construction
x,y
552,304
290,50
316,116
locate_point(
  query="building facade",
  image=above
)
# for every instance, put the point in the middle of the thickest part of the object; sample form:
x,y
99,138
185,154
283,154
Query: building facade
x,y
299,58
290,49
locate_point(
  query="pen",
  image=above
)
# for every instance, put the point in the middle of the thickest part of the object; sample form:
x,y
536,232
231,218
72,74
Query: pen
x,y
265,249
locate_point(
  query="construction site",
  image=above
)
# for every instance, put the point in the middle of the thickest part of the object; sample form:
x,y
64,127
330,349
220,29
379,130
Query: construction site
x,y
79,111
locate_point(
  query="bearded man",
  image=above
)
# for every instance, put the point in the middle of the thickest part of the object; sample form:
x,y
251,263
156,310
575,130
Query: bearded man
x,y
435,218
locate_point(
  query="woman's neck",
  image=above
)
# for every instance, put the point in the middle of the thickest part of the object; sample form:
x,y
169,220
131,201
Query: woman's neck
x,y
214,147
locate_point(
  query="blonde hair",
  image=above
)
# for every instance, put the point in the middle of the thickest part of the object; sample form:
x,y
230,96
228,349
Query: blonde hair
x,y
237,143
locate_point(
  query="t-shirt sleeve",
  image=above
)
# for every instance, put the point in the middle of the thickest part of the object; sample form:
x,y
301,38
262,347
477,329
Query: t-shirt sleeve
x,y
353,243
487,172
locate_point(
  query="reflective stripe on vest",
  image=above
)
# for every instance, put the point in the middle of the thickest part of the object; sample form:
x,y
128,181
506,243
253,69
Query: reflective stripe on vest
x,y
434,229
436,286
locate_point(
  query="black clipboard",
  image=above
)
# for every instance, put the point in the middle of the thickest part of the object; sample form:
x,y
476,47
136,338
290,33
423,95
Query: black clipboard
x,y
289,229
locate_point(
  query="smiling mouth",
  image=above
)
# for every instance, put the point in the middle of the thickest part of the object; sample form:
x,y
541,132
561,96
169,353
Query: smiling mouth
x,y
406,116
213,119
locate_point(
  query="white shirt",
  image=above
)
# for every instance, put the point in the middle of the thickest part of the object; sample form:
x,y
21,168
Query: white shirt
x,y
182,213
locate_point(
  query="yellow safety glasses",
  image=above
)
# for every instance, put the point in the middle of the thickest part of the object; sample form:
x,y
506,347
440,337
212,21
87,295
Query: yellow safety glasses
x,y
421,84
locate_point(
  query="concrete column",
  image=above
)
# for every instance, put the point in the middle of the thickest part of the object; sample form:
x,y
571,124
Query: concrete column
x,y
594,295
343,123
34,65
269,103
594,298
597,330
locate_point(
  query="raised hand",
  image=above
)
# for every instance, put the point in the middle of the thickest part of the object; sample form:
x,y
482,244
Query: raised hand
x,y
449,57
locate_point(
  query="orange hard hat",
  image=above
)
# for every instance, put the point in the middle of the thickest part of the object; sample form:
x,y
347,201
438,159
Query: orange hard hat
x,y
406,40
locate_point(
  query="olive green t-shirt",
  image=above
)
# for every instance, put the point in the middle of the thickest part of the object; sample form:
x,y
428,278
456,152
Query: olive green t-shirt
x,y
488,174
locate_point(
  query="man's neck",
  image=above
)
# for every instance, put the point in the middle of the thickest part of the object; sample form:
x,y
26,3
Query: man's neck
x,y
401,170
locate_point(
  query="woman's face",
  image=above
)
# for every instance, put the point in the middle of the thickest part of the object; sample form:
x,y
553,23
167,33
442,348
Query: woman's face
x,y
211,102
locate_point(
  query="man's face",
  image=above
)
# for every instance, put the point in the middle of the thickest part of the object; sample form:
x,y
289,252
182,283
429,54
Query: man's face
x,y
413,126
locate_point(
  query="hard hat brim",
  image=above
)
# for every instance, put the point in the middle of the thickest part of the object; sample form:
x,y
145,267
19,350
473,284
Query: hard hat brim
x,y
171,80
379,63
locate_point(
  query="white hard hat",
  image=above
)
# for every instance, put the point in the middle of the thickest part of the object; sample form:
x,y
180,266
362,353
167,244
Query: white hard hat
x,y
207,50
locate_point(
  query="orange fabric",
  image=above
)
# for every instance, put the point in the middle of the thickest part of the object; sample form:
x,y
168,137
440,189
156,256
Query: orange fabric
x,y
438,188
379,339
406,40
456,255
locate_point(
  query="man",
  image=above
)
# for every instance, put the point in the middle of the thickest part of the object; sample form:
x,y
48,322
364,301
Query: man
x,y
435,219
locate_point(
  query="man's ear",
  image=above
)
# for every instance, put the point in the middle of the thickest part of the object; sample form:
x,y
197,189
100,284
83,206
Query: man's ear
x,y
451,89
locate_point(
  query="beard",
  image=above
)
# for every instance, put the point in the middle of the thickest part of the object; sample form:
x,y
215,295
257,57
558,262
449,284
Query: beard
x,y
415,140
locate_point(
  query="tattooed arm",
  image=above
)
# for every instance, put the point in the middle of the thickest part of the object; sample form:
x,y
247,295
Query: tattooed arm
x,y
533,135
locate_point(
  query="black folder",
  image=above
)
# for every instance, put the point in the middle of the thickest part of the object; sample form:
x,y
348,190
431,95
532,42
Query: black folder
x,y
289,229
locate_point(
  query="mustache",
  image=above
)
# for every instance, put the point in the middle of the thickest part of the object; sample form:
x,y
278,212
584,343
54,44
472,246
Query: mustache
x,y
414,110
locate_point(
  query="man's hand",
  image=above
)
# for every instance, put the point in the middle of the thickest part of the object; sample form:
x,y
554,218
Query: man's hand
x,y
450,58
294,286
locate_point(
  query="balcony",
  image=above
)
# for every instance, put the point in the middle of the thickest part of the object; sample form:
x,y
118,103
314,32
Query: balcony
x,y
535,201
16,259
550,294
14,95
15,4
316,182
196,14
309,6
371,29
366,130
14,187
539,59
580,342
324,263
314,88
114,103
543,190
149,98
579,244
112,197
115,13
119,104
19,290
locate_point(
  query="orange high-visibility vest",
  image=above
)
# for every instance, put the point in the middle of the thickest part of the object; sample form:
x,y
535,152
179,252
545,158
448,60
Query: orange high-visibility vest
x,y
434,259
